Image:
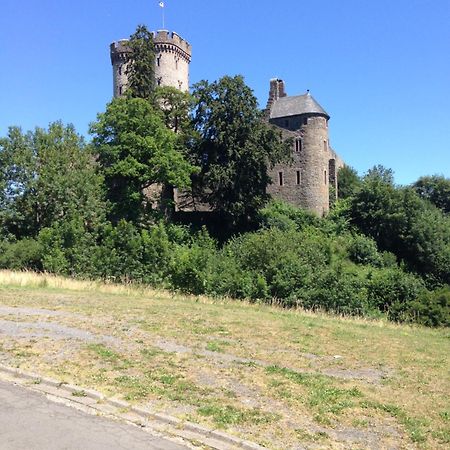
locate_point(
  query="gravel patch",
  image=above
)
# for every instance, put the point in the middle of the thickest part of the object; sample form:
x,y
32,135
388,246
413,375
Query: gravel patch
x,y
8,310
51,330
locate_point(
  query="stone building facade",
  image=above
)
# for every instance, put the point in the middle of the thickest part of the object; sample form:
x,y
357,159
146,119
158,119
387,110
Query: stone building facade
x,y
172,58
306,181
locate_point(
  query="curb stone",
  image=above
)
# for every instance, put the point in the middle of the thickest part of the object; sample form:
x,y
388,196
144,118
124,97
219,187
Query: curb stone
x,y
222,441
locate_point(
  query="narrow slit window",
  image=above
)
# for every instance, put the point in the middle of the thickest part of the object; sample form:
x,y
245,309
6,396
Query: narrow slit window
x,y
298,145
325,177
280,178
325,145
298,177
158,61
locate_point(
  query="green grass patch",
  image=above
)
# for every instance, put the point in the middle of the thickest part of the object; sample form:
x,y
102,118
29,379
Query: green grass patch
x,y
321,394
79,394
416,427
225,415
104,353
216,346
304,435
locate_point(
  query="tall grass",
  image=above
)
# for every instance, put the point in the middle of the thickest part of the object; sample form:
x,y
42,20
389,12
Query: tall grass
x,y
47,280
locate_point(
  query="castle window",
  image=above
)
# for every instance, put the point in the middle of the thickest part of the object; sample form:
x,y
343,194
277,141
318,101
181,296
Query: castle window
x,y
120,69
176,63
298,179
280,178
325,145
158,61
326,179
298,145
120,90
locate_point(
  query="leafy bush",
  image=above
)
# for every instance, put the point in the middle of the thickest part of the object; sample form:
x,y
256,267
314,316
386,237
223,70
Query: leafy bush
x,y
391,290
431,308
363,250
68,249
23,254
282,215
192,264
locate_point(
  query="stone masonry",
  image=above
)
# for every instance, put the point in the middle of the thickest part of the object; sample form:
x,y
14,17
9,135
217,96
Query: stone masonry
x,y
172,58
306,181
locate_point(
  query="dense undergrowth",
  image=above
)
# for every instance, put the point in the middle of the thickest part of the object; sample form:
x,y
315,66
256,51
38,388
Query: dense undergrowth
x,y
294,259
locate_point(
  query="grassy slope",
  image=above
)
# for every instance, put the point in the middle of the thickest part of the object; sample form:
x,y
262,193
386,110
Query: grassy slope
x,y
277,377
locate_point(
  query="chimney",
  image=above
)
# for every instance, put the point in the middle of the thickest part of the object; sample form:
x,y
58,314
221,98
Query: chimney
x,y
277,90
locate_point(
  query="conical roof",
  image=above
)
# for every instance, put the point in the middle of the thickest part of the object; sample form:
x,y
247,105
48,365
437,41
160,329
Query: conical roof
x,y
296,105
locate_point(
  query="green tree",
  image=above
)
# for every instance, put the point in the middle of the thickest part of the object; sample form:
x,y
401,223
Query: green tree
x,y
376,207
235,149
403,223
348,182
136,151
141,64
47,177
436,189
175,107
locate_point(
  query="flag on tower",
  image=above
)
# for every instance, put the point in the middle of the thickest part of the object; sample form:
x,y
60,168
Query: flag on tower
x,y
161,4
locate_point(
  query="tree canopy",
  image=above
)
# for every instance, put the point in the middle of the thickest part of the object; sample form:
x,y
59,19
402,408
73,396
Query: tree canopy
x,y
141,64
135,151
46,177
436,189
235,148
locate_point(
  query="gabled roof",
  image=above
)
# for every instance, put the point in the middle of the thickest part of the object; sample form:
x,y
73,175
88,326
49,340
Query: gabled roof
x,y
296,105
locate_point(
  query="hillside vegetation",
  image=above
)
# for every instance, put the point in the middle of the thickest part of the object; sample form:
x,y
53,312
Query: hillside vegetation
x,y
282,378
89,211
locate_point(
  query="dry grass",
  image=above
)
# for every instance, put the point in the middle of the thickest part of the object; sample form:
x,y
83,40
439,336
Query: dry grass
x,y
281,378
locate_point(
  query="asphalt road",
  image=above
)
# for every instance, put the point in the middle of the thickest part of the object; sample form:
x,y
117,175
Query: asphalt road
x,y
29,421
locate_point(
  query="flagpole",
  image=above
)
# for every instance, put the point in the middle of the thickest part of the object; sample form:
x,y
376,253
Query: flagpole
x,y
162,5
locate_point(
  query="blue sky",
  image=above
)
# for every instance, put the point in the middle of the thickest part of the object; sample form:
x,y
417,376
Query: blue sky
x,y
380,68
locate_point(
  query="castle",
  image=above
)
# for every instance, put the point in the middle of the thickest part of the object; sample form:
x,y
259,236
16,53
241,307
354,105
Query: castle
x,y
306,181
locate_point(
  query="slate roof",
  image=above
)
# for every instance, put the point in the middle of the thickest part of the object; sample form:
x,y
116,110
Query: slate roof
x,y
295,105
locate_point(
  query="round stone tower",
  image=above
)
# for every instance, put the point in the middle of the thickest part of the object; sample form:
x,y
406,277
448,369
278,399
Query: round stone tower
x,y
172,58
314,160
304,182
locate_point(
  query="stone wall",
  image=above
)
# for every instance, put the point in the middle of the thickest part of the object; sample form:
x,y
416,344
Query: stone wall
x,y
172,59
119,57
304,182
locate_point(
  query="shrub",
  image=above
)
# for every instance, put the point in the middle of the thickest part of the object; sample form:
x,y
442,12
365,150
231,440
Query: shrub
x,y
192,264
391,290
431,308
363,250
23,254
338,290
284,216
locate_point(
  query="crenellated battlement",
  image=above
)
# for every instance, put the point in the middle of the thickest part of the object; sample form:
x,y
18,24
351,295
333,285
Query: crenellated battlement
x,y
119,51
165,41
164,37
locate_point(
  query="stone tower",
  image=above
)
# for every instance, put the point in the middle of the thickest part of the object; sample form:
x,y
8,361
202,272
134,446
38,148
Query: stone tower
x,y
305,182
172,58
